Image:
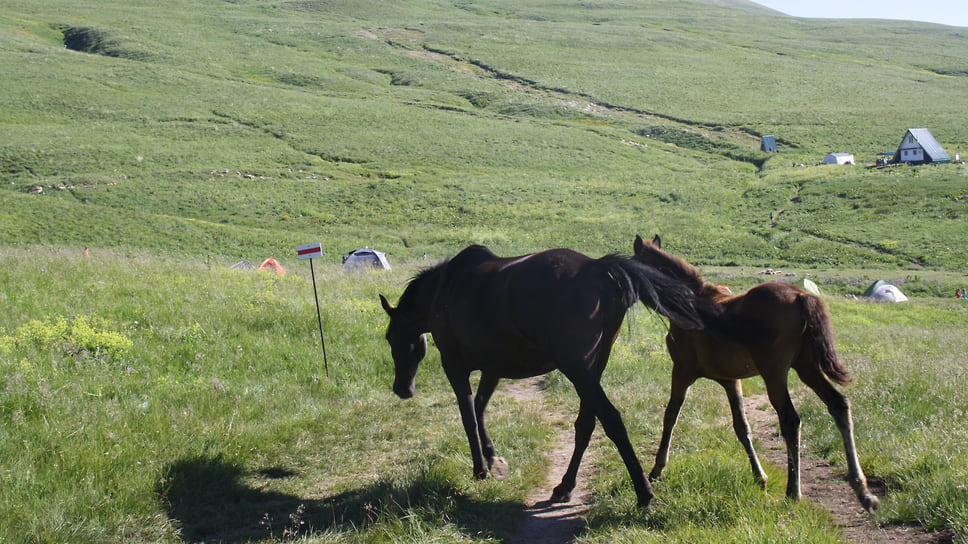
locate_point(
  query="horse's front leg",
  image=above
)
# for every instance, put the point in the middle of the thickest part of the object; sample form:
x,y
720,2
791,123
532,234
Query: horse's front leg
x,y
460,382
497,466
684,374
741,426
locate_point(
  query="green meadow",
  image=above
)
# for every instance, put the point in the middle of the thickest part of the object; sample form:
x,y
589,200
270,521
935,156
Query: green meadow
x,y
150,394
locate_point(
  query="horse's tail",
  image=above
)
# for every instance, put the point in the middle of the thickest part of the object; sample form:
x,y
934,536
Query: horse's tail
x,y
665,294
819,336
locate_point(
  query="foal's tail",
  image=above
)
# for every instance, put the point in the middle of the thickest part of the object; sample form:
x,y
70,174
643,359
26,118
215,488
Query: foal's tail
x,y
665,294
818,334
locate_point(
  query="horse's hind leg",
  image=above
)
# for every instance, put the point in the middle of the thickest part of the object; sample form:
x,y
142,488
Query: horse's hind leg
x,y
584,426
776,388
734,392
593,398
839,407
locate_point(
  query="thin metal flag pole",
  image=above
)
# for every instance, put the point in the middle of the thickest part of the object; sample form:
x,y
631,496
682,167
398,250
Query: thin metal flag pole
x,y
309,251
319,317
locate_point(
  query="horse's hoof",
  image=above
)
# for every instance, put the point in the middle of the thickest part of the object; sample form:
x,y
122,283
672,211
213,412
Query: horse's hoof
x,y
644,502
499,468
560,495
655,476
870,503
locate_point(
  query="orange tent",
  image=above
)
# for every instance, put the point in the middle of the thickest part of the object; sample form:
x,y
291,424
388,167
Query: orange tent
x,y
271,264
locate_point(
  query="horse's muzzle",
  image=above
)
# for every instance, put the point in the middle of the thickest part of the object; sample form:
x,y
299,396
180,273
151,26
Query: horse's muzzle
x,y
403,390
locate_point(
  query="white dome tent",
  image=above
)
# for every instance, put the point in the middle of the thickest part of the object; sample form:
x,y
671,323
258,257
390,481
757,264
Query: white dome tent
x,y
882,291
365,259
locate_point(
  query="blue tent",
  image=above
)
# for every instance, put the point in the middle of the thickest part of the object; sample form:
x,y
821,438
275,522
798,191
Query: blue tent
x,y
768,144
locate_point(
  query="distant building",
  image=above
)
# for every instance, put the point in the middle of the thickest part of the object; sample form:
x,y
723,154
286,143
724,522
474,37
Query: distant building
x,y
839,158
768,144
920,147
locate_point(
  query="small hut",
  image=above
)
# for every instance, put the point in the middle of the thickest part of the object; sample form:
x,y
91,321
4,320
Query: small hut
x,y
919,147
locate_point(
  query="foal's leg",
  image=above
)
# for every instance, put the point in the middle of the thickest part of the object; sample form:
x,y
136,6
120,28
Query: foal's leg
x,y
839,407
684,374
734,392
584,427
776,387
676,398
496,465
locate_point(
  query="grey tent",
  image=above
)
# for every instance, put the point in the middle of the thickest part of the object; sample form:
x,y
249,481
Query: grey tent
x,y
882,291
811,287
365,258
243,265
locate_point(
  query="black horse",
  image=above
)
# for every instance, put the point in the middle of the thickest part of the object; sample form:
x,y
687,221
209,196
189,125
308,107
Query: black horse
x,y
526,316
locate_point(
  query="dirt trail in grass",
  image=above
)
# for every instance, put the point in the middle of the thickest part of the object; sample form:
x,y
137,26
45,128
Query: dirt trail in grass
x,y
545,522
823,484
827,486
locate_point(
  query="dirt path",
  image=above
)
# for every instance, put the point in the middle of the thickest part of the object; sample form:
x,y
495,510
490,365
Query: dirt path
x,y
545,522
824,484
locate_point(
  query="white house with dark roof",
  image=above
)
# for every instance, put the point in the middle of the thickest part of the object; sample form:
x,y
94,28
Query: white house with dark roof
x,y
920,147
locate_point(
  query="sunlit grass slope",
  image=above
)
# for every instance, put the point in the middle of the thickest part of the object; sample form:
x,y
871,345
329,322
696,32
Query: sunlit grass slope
x,y
240,129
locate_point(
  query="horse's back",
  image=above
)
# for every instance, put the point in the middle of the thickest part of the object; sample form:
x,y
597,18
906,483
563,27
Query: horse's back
x,y
524,310
470,257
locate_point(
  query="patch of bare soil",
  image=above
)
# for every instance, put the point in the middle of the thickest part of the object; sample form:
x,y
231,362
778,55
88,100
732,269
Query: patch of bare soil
x,y
546,522
826,485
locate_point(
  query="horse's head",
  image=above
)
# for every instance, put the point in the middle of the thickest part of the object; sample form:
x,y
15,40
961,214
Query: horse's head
x,y
651,254
408,345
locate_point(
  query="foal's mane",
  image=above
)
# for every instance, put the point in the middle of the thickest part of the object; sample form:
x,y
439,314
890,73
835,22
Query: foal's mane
x,y
688,273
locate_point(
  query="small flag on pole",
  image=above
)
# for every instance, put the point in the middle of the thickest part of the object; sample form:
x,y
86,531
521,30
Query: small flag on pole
x,y
311,251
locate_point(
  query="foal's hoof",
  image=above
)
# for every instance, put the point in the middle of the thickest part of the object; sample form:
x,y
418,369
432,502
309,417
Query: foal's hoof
x,y
499,468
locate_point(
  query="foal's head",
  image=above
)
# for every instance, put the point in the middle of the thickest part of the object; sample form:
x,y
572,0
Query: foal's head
x,y
651,254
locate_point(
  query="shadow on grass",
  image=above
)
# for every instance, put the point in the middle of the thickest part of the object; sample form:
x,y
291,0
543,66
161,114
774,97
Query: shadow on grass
x,y
211,502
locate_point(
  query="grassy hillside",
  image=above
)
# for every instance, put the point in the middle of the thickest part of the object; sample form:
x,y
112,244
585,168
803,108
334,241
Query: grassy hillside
x,y
237,130
149,394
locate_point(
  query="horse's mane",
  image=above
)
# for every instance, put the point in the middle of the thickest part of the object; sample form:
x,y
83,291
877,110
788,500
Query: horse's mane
x,y
469,256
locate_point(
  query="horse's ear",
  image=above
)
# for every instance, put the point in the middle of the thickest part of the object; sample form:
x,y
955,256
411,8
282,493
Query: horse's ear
x,y
386,305
657,241
639,244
